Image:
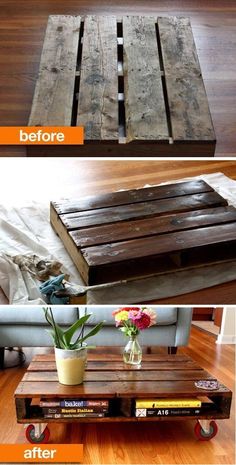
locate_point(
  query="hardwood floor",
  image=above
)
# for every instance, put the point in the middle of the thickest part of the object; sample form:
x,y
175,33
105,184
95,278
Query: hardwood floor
x,y
22,28
46,179
164,443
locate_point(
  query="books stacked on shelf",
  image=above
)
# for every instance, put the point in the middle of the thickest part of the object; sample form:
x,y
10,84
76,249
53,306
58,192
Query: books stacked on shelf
x,y
74,408
167,407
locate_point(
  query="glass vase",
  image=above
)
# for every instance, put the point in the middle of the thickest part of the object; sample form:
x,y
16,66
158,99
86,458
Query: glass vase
x,y
132,354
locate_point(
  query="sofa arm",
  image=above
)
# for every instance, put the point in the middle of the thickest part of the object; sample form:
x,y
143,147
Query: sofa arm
x,y
183,326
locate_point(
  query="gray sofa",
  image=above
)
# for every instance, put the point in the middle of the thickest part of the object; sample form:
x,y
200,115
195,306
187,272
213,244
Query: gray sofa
x,y
26,327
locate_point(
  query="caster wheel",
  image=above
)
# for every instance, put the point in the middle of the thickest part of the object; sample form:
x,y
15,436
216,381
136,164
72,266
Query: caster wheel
x,y
42,439
202,435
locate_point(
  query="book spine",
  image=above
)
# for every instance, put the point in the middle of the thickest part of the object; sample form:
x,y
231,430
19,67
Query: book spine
x,y
74,415
83,403
44,403
167,405
67,410
155,412
74,403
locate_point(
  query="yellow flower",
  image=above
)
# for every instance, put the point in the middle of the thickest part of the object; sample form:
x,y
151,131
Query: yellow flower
x,y
122,316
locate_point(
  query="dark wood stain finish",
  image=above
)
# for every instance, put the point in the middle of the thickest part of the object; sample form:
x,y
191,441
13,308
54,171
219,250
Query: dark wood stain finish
x,y
120,382
137,233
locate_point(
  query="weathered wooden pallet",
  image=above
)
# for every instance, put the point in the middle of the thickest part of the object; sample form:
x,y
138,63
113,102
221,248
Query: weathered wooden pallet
x,y
129,234
134,83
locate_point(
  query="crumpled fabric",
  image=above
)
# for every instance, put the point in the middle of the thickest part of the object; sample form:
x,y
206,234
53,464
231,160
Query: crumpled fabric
x,y
49,289
26,229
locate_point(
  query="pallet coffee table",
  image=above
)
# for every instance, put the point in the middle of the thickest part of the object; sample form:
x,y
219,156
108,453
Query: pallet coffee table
x,y
131,234
107,377
134,83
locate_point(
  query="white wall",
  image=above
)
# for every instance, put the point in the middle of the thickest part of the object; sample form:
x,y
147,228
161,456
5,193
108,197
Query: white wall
x,y
228,331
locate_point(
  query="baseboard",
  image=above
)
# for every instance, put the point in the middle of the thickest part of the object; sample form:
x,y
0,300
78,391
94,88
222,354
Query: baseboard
x,y
231,339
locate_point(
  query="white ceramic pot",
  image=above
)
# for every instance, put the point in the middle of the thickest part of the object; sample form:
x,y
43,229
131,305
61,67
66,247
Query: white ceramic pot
x,y
71,365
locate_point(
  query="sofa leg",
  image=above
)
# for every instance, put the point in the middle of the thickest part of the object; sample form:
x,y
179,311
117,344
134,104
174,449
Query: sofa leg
x,y
2,353
172,350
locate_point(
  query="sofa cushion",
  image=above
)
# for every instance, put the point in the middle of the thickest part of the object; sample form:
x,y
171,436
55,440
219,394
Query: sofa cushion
x,y
35,316
165,315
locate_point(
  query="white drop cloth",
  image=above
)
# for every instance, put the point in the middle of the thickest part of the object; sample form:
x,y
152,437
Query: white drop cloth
x,y
27,229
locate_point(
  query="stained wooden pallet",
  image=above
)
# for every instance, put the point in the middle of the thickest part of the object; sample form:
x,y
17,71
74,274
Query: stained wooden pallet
x,y
134,83
165,376
129,234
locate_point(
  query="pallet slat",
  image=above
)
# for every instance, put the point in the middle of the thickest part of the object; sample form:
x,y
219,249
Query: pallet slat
x,y
113,376
189,110
166,243
98,94
112,366
131,196
151,226
144,99
105,357
106,389
54,91
141,210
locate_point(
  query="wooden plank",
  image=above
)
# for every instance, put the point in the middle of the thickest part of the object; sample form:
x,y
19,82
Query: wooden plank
x,y
98,93
213,414
152,226
189,110
144,149
101,389
112,366
165,244
94,356
122,375
131,196
140,210
144,100
54,91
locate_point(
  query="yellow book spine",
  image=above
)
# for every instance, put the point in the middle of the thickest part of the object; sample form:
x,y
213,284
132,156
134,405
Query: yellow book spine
x,y
167,403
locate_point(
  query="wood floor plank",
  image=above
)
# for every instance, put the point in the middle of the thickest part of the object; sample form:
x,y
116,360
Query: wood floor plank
x,y
189,110
107,234
144,100
98,95
131,196
54,91
141,210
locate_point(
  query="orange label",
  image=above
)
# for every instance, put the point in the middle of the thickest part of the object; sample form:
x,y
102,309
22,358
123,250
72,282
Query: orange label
x,y
41,453
41,135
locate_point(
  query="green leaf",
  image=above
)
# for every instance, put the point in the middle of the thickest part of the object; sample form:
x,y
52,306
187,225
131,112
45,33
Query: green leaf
x,y
69,333
79,347
56,332
57,343
92,332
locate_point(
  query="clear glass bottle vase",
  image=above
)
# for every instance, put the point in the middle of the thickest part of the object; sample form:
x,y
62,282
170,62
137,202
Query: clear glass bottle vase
x,y
132,353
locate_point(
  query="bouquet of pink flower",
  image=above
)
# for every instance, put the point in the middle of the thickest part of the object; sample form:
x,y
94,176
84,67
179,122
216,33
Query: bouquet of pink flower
x,y
132,320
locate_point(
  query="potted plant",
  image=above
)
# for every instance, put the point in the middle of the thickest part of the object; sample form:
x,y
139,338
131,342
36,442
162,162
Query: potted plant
x,y
70,351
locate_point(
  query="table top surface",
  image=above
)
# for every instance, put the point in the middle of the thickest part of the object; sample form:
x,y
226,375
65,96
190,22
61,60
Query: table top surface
x,y
107,376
